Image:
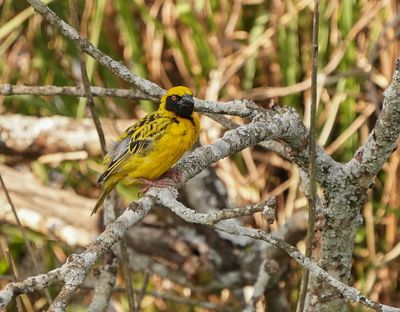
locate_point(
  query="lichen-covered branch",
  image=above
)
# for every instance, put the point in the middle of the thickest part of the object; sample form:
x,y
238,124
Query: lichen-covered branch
x,y
281,124
116,67
29,285
345,192
381,142
344,186
244,108
167,198
75,269
9,90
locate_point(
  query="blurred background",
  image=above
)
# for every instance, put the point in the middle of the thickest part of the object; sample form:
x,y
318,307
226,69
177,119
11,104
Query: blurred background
x,y
50,157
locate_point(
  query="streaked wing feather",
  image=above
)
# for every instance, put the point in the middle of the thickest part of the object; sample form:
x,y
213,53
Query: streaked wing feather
x,y
136,140
118,149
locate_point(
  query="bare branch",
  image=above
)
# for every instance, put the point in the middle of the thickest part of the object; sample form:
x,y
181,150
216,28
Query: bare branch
x,y
312,154
283,125
67,292
116,67
381,142
29,285
24,235
244,108
75,269
266,207
86,82
268,268
168,199
279,125
9,90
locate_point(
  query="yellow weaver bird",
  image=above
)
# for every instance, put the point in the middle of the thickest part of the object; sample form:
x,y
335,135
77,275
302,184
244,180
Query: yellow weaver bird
x,y
153,144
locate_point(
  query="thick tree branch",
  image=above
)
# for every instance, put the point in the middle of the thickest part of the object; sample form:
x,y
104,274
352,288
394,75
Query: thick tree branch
x,y
105,281
382,141
344,194
342,201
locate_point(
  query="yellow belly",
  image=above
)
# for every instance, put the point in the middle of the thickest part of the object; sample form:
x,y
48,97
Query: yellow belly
x,y
165,153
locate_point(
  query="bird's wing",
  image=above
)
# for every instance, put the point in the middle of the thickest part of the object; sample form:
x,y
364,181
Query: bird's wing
x,y
138,139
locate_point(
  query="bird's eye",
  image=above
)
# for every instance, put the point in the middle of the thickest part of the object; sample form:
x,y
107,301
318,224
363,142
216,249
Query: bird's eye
x,y
174,98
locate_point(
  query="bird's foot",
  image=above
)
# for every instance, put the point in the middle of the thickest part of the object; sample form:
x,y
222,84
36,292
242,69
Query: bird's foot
x,y
169,179
173,174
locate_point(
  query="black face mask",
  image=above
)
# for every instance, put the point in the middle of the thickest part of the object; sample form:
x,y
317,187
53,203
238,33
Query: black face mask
x,y
182,106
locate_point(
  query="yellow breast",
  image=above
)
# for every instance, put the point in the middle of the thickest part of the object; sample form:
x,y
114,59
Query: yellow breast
x,y
179,137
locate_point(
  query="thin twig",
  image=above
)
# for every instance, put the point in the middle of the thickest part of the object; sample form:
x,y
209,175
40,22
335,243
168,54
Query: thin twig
x,y
49,90
268,268
285,125
142,291
173,298
78,265
14,272
127,275
264,206
67,291
244,108
85,80
20,227
117,68
312,163
24,235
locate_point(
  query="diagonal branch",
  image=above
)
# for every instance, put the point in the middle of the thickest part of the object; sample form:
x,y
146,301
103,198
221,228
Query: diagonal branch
x,y
86,82
73,272
244,108
168,199
117,68
280,124
381,142
283,123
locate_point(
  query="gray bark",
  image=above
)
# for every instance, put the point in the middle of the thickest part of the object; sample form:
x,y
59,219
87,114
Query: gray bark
x,y
344,195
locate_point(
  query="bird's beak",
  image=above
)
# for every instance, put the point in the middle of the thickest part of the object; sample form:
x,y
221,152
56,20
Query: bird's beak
x,y
186,106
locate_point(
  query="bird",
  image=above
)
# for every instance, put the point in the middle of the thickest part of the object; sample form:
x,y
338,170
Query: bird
x,y
147,149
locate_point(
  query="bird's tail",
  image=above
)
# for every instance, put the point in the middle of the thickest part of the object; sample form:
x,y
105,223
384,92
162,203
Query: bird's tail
x,y
107,187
